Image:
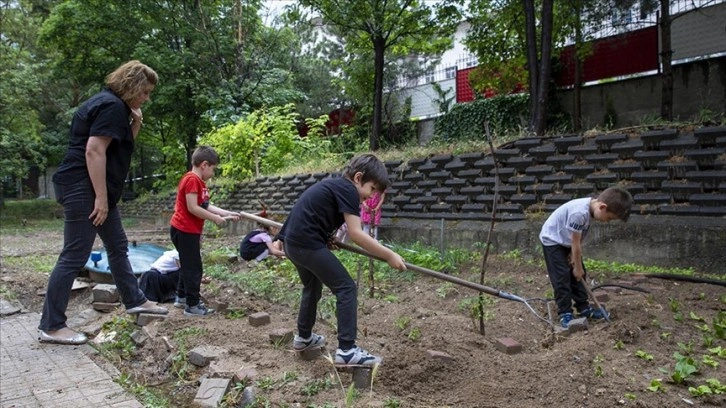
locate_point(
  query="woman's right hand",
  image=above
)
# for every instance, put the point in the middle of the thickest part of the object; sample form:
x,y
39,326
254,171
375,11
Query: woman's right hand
x,y
395,261
100,211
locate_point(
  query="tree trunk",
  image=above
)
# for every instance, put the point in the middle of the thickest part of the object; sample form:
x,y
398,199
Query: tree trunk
x,y
545,67
666,56
532,65
379,49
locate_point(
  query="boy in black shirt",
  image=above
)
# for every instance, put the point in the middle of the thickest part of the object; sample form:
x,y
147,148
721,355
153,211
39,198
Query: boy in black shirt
x,y
312,224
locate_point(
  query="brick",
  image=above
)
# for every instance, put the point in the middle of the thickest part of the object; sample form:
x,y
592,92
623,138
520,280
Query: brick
x,y
679,145
413,177
105,307
560,161
427,184
504,154
683,210
441,191
541,153
522,181
427,200
470,157
652,198
707,135
485,164
635,188
708,200
439,175
508,345
527,143
564,143
705,157
520,163
455,182
201,356
540,189
579,189
504,173
362,377
557,199
281,336
474,208
651,179
579,170
602,180
524,199
677,169
392,164
211,392
681,190
413,207
415,163
105,293
653,138
311,354
441,207
605,141
469,174
650,159
581,151
602,159
539,170
560,179
414,192
455,165
442,158
456,199
709,178
473,191
259,319
627,149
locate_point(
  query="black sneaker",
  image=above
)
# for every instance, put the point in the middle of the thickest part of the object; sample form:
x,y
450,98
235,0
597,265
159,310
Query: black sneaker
x,y
198,310
595,314
565,319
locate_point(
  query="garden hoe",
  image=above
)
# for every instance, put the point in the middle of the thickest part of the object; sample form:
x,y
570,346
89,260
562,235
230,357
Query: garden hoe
x,y
416,268
594,299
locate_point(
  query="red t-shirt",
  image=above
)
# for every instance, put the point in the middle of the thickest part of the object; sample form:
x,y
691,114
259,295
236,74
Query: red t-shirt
x,y
182,219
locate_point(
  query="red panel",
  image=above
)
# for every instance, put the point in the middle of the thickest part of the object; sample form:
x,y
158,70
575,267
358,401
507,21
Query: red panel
x,y
464,92
623,54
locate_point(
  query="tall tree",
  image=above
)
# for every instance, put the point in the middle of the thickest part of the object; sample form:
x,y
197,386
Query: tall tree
x,y
405,27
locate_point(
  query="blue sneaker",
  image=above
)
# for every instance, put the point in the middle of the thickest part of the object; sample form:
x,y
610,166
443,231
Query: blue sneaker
x,y
565,319
595,314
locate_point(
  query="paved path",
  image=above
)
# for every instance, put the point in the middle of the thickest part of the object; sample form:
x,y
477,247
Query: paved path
x,y
49,375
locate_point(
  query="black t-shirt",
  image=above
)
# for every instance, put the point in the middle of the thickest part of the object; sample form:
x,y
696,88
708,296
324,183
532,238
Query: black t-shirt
x,y
104,114
319,212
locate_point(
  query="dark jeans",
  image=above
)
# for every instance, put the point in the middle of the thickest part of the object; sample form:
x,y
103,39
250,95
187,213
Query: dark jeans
x,y
190,260
79,233
315,268
567,288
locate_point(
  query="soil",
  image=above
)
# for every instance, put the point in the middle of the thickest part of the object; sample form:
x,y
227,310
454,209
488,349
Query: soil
x,y
598,367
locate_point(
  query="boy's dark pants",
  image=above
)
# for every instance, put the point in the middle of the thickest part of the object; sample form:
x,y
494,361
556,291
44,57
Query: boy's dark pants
x,y
190,261
567,288
315,268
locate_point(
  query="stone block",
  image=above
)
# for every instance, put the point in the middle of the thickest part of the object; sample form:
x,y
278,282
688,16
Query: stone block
x,y
105,307
259,319
201,356
508,345
211,392
311,354
105,293
362,377
281,337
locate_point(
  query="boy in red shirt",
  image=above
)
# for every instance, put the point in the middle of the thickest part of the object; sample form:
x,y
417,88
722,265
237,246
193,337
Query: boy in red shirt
x,y
192,207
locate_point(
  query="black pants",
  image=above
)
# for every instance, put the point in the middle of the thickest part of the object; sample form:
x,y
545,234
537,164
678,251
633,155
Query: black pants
x,y
190,260
159,287
567,288
315,268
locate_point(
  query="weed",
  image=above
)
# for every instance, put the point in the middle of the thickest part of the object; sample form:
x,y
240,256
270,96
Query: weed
x,y
289,376
6,293
414,334
145,395
619,345
719,325
391,298
475,307
598,367
674,305
630,396
38,263
402,322
707,340
686,348
665,335
122,345
179,362
445,290
719,351
696,317
392,403
643,355
678,316
351,395
265,383
234,314
315,386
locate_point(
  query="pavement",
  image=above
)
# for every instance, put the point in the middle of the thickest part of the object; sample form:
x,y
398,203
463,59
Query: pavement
x,y
34,374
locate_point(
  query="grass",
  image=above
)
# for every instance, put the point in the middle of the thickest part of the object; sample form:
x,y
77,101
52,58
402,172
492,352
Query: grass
x,y
37,263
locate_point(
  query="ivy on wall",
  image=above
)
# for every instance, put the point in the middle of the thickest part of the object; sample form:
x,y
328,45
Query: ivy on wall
x,y
466,120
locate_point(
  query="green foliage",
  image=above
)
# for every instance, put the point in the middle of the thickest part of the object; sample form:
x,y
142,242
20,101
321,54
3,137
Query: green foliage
x,y
41,209
712,387
147,396
315,386
685,366
593,265
264,141
180,366
121,344
505,113
643,355
719,325
656,385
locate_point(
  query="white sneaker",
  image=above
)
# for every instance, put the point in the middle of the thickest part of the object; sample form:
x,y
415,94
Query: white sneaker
x,y
356,356
314,341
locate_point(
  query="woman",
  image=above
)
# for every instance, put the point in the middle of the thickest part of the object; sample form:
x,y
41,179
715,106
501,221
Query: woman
x,y
88,184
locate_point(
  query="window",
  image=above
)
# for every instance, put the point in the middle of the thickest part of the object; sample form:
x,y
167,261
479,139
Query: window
x,y
450,72
429,75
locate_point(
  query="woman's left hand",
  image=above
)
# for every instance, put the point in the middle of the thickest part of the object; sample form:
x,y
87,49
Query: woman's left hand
x,y
137,116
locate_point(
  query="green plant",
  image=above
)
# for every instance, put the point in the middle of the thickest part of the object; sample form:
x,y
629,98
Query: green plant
x,y
149,397
315,386
179,361
712,387
392,403
696,317
234,314
685,366
645,356
630,396
445,290
265,383
414,334
598,367
656,385
120,342
402,322
686,348
674,305
665,335
719,325
719,351
709,361
619,345
707,340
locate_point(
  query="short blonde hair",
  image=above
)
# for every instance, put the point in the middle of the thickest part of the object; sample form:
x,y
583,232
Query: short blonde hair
x,y
131,79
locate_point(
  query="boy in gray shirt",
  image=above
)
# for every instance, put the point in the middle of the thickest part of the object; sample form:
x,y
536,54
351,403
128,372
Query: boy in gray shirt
x,y
562,235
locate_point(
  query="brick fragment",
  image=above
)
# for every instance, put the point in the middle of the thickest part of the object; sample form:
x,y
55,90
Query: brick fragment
x,y
508,345
440,355
259,319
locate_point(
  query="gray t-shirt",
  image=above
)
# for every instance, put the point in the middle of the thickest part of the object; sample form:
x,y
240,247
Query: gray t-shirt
x,y
572,216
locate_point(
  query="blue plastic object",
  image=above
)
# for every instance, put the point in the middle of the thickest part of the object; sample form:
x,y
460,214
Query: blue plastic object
x,y
141,257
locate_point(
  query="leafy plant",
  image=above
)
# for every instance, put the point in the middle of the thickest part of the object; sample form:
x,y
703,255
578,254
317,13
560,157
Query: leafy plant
x,y
414,334
656,385
402,322
686,348
315,386
712,386
645,356
709,361
619,345
685,366
674,305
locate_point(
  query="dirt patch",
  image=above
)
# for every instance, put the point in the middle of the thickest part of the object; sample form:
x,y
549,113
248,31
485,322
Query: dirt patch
x,y
605,366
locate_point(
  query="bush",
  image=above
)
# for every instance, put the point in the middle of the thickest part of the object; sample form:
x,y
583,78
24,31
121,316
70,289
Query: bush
x,y
505,113
38,209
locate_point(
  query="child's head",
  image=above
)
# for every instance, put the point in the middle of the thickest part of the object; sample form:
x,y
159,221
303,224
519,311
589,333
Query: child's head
x,y
371,169
618,203
205,160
